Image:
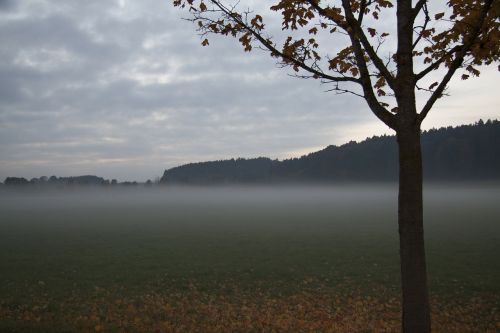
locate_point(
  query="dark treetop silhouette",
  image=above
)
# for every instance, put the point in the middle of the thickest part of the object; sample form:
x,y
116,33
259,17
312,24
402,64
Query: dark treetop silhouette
x,y
467,152
53,181
463,34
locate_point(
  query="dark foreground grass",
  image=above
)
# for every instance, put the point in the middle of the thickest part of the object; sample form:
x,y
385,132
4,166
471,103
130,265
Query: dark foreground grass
x,y
229,260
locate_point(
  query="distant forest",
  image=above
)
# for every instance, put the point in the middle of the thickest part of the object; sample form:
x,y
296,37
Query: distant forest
x,y
87,180
467,152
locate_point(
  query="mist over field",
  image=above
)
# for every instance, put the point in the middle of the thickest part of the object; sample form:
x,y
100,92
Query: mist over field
x,y
70,251
317,220
351,197
176,197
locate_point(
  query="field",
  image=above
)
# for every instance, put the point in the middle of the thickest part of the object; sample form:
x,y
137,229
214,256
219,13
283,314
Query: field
x,y
288,259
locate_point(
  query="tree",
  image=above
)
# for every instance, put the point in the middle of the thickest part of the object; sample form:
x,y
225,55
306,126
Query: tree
x,y
386,68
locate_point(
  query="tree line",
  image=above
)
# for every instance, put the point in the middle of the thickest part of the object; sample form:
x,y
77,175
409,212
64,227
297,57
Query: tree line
x,y
54,181
467,152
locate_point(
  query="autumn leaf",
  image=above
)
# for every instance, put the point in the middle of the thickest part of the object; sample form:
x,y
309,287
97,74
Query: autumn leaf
x,y
313,31
380,82
472,70
438,16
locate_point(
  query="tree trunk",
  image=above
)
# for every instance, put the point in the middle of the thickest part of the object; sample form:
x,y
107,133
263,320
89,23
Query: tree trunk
x,y
416,311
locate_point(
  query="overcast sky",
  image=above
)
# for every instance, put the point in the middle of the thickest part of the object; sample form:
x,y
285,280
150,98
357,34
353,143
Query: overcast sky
x,y
122,89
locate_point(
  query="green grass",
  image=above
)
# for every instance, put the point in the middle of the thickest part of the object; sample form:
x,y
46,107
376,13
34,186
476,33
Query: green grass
x,y
59,246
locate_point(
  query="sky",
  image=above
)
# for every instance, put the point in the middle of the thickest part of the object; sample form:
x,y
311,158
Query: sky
x,y
123,89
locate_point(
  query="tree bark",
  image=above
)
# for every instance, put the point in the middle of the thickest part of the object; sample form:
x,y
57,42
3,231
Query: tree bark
x,y
416,311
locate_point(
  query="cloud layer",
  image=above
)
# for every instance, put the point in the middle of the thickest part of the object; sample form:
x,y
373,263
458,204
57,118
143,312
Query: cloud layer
x,y
123,89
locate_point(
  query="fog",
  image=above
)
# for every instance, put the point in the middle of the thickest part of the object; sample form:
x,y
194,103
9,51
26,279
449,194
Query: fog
x,y
173,196
353,195
356,201
133,237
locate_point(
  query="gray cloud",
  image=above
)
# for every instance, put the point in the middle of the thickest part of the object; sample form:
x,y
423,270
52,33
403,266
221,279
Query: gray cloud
x,y
7,5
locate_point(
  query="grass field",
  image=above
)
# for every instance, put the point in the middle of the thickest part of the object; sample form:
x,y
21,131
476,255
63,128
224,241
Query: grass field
x,y
311,259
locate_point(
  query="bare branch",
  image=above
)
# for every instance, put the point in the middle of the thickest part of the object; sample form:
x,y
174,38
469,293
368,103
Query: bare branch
x,y
418,7
429,90
341,91
427,19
